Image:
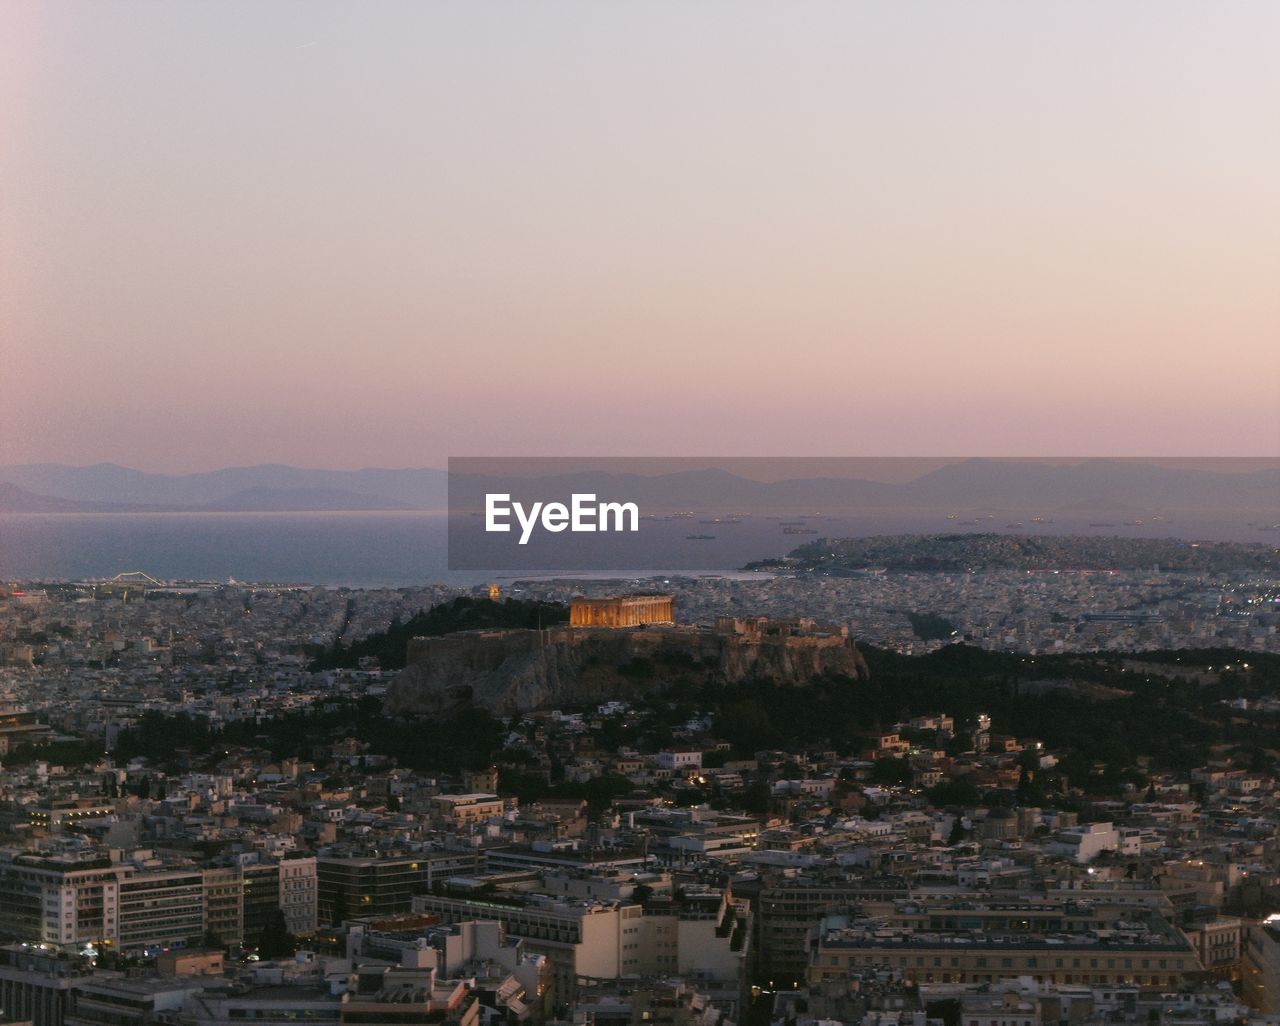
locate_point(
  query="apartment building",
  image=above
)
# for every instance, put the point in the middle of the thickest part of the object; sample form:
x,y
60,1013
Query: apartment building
x,y
1260,974
1051,940
789,910
579,939
349,886
463,810
705,936
36,983
142,901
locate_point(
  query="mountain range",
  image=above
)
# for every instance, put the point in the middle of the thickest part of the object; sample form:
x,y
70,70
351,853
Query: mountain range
x,y
1091,488
1096,487
108,487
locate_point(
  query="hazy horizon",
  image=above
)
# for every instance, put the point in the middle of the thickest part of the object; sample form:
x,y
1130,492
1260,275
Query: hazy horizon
x,y
886,469
335,235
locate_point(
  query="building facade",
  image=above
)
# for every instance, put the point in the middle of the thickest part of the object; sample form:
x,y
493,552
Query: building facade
x,y
140,903
627,611
357,886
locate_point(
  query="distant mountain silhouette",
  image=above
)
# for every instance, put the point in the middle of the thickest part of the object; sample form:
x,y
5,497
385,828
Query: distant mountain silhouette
x,y
1096,484
17,500
970,487
266,487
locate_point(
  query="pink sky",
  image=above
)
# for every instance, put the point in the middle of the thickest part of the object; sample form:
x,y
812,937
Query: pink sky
x,y
349,234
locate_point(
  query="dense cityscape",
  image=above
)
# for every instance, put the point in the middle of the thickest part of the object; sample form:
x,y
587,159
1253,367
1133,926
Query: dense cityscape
x,y
884,794
589,513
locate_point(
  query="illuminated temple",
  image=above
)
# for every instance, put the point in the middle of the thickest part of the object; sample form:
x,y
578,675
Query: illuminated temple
x,y
626,611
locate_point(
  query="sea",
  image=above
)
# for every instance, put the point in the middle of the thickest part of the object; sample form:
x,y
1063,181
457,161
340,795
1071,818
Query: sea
x,y
405,549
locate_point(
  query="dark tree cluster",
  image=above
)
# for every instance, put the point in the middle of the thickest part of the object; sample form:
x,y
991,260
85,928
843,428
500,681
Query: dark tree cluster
x,y
390,647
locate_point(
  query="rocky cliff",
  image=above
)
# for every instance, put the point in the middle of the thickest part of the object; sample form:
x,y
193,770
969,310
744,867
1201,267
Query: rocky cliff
x,y
510,671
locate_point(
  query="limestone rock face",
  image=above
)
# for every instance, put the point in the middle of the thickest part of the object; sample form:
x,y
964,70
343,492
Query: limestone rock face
x,y
508,671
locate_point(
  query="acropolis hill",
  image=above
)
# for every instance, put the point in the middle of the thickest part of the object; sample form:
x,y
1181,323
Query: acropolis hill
x,y
513,670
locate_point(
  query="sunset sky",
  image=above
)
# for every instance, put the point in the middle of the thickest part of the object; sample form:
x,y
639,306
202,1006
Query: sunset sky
x,y
351,234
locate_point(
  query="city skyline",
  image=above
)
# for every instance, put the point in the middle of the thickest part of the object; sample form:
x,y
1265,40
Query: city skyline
x,y
945,693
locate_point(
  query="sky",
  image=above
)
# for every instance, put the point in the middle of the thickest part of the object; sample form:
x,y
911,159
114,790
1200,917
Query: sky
x,y
340,235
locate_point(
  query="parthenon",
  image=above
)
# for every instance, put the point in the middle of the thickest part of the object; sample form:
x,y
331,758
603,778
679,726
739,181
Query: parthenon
x,y
625,611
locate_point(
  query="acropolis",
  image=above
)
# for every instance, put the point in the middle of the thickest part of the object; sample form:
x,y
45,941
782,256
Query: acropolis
x,y
625,611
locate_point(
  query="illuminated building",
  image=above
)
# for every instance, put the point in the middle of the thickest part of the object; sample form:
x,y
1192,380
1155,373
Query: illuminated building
x,y
626,611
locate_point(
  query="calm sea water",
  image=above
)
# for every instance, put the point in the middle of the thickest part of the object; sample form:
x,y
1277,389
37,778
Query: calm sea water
x,y
409,548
